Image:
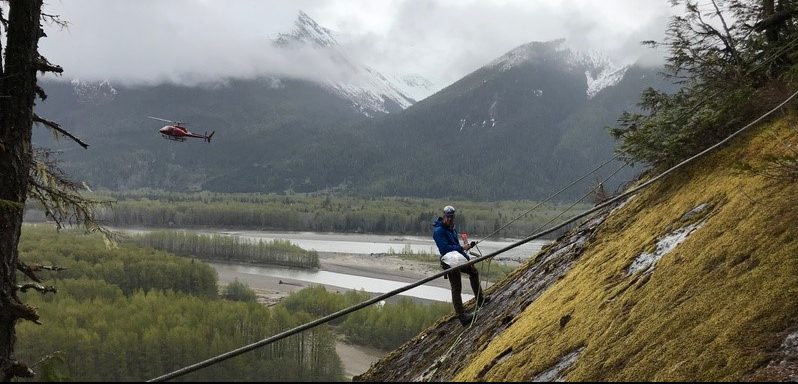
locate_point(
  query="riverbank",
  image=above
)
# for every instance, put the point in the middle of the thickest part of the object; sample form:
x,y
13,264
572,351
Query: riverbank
x,y
356,359
271,289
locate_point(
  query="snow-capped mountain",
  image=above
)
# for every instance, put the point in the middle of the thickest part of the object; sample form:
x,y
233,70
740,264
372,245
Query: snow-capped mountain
x,y
600,71
306,31
94,92
517,127
367,89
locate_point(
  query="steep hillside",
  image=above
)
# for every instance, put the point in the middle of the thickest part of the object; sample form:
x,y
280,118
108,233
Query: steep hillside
x,y
263,127
516,128
694,278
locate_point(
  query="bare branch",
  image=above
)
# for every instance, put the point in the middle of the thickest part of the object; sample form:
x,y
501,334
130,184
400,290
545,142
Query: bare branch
x,y
17,310
43,65
28,271
729,37
39,267
18,369
44,359
40,92
26,312
40,288
54,19
54,126
709,29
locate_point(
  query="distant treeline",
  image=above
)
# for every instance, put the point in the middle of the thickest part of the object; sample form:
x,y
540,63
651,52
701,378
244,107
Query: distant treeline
x,y
96,333
387,326
131,314
320,213
227,248
128,314
126,267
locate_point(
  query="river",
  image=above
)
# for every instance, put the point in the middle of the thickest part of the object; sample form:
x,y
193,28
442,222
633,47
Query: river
x,y
368,244
362,245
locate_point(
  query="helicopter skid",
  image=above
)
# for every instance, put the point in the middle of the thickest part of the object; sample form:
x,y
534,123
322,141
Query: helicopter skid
x,y
167,137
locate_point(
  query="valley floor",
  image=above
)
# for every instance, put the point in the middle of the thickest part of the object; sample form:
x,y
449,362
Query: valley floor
x,y
356,358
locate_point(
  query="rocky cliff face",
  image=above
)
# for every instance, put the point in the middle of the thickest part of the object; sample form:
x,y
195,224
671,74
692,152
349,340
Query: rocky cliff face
x,y
692,279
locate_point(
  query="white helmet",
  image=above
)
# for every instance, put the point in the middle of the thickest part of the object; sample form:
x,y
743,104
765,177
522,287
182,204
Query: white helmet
x,y
448,210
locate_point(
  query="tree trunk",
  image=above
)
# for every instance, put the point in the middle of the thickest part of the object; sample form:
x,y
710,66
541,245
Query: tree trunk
x,y
772,31
16,120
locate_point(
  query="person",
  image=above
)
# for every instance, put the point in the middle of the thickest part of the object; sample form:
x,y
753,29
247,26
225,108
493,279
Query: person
x,y
453,254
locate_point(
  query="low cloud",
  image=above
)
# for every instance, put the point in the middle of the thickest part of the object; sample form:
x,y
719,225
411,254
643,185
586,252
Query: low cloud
x,y
192,42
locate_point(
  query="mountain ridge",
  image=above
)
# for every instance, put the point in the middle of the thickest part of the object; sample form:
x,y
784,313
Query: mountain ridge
x,y
521,131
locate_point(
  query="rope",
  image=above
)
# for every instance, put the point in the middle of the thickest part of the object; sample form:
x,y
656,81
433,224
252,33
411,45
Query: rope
x,y
538,205
477,307
581,198
345,311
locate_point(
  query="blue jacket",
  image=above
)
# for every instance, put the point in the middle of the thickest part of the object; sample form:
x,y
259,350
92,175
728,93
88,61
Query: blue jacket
x,y
446,239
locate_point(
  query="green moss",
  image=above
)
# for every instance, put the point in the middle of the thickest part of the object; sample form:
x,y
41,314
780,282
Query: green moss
x,y
712,308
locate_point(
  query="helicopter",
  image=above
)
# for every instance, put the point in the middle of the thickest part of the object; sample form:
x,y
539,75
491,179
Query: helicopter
x,y
178,132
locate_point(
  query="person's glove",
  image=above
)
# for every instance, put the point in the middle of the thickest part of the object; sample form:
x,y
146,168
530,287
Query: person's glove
x,y
472,245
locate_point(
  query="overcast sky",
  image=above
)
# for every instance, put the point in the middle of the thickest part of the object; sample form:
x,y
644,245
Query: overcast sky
x,y
203,40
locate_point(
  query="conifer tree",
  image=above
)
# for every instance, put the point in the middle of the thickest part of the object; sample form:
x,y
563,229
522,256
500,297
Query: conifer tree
x,y
727,57
25,171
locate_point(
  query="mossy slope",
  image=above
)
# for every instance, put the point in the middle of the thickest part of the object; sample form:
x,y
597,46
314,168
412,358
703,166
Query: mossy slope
x,y
712,309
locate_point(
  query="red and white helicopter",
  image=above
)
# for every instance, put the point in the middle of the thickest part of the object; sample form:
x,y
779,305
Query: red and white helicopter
x,y
178,132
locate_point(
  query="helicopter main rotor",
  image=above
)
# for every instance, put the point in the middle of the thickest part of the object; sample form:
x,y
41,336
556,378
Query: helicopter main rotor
x,y
168,121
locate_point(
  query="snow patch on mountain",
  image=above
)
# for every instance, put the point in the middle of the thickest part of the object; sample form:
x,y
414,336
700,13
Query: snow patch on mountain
x,y
493,110
608,77
94,92
370,94
600,71
367,89
415,86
